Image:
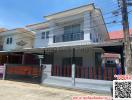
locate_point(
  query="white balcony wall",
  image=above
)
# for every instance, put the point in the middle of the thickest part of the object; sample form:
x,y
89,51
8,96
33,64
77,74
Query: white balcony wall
x,y
51,28
39,42
99,30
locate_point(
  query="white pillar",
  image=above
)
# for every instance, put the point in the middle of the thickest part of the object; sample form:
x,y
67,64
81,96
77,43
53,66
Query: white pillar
x,y
87,21
40,61
4,72
51,34
73,67
73,74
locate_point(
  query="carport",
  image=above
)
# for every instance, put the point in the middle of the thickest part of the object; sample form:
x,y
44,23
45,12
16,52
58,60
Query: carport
x,y
116,48
20,66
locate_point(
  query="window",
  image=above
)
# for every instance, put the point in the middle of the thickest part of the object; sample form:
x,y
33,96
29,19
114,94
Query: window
x,y
90,36
110,62
9,40
72,33
45,35
76,28
72,29
67,29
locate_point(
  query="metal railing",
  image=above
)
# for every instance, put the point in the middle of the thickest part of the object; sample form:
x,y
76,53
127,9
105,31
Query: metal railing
x,y
88,72
68,37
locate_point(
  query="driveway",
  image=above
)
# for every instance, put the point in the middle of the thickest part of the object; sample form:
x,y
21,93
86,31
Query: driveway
x,y
10,90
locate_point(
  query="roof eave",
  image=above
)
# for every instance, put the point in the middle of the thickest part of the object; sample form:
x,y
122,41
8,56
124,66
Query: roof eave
x,y
62,12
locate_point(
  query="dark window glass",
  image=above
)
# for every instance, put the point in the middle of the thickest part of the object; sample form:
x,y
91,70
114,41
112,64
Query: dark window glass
x,y
108,62
47,34
72,33
43,35
76,28
10,40
7,41
67,29
90,36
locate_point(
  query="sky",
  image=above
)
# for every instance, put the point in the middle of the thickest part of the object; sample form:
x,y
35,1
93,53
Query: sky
x,y
19,13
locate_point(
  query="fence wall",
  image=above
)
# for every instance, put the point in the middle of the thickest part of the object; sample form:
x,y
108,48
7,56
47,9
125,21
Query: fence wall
x,y
1,71
88,72
23,72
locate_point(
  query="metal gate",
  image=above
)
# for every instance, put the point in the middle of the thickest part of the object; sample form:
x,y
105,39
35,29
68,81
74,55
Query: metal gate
x,y
23,72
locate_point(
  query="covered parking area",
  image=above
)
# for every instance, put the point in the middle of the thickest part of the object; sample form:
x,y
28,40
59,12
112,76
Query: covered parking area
x,y
119,49
19,66
47,54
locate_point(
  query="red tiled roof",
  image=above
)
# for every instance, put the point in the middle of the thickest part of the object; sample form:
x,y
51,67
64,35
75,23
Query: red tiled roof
x,y
2,30
115,35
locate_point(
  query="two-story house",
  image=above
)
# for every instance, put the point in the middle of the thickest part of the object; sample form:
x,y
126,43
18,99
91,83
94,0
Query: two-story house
x,y
1,38
18,38
69,37
79,26
13,40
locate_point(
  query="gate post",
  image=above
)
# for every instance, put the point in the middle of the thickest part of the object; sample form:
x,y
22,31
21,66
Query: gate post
x,y
4,72
73,68
73,74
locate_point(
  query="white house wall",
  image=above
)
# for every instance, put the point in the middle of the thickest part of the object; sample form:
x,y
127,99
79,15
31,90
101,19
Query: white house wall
x,y
17,38
87,25
98,25
39,42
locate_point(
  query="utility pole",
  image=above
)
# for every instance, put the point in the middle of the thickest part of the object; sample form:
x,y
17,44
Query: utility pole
x,y
127,43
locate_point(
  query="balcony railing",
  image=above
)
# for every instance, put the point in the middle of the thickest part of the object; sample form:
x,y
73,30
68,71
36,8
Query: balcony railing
x,y
68,37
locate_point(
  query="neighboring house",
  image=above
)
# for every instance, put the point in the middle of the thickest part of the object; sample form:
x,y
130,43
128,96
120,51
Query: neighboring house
x,y
118,35
1,39
16,39
82,25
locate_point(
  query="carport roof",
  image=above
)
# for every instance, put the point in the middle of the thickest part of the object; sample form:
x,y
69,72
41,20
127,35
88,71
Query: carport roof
x,y
71,46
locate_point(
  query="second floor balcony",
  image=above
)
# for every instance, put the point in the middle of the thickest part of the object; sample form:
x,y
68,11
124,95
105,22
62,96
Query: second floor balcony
x,y
68,37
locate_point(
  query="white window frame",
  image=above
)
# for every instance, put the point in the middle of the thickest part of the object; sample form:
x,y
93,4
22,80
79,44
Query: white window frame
x,y
9,40
45,34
